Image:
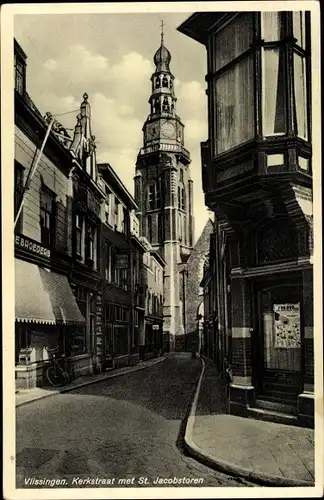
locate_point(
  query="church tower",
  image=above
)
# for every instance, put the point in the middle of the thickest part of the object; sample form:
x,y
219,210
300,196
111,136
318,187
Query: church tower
x,y
164,193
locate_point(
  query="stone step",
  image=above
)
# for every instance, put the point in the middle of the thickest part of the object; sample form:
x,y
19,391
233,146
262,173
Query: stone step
x,y
275,405
272,416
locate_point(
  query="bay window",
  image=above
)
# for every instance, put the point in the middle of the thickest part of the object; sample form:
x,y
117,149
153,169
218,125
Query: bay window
x,y
272,26
233,39
298,20
235,105
300,95
274,91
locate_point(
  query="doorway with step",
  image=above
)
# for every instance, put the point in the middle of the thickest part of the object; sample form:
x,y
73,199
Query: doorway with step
x,y
278,342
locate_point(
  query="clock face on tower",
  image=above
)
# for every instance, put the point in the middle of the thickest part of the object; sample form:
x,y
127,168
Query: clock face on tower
x,y
168,129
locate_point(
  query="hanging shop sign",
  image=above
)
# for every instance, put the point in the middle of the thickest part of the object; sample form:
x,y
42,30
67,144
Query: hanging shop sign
x,y
121,261
287,325
31,246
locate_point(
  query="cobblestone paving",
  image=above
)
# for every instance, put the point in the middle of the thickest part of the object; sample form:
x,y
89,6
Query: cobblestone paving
x,y
119,429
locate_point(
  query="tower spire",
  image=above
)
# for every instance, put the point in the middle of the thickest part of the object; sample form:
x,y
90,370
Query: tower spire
x,y
162,32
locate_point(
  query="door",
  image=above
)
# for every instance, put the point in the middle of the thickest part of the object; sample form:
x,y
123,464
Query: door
x,y
280,340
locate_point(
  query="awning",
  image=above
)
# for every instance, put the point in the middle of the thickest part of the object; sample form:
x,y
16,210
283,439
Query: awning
x,y
43,296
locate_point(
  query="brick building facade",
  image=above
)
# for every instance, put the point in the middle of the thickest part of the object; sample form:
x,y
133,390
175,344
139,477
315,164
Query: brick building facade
x,y
78,261
257,178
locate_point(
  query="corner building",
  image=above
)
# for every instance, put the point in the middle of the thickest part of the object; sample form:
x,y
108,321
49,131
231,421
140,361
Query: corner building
x,y
164,193
257,178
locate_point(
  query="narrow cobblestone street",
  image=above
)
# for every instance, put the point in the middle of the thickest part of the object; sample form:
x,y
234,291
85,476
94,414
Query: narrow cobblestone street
x,y
124,428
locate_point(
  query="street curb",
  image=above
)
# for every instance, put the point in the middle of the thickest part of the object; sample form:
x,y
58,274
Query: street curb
x,y
222,465
89,382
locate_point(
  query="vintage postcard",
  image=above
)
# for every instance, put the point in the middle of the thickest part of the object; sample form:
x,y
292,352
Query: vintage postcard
x,y
161,250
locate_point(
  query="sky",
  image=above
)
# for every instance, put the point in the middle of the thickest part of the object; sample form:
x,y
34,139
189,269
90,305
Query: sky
x,y
110,57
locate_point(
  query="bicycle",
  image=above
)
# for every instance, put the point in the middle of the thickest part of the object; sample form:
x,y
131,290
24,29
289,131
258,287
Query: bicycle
x,y
56,374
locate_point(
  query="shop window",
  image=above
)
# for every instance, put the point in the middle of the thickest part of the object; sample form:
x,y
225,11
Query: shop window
x,y
79,332
274,91
47,217
235,105
19,187
276,242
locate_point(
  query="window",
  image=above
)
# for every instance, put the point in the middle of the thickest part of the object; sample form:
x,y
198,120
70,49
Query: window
x,y
20,72
160,222
19,186
164,82
300,95
235,105
274,91
91,245
299,28
107,212
47,217
180,227
121,218
166,105
181,175
183,200
157,195
272,26
233,40
121,278
108,262
181,197
116,213
149,227
151,197
79,236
